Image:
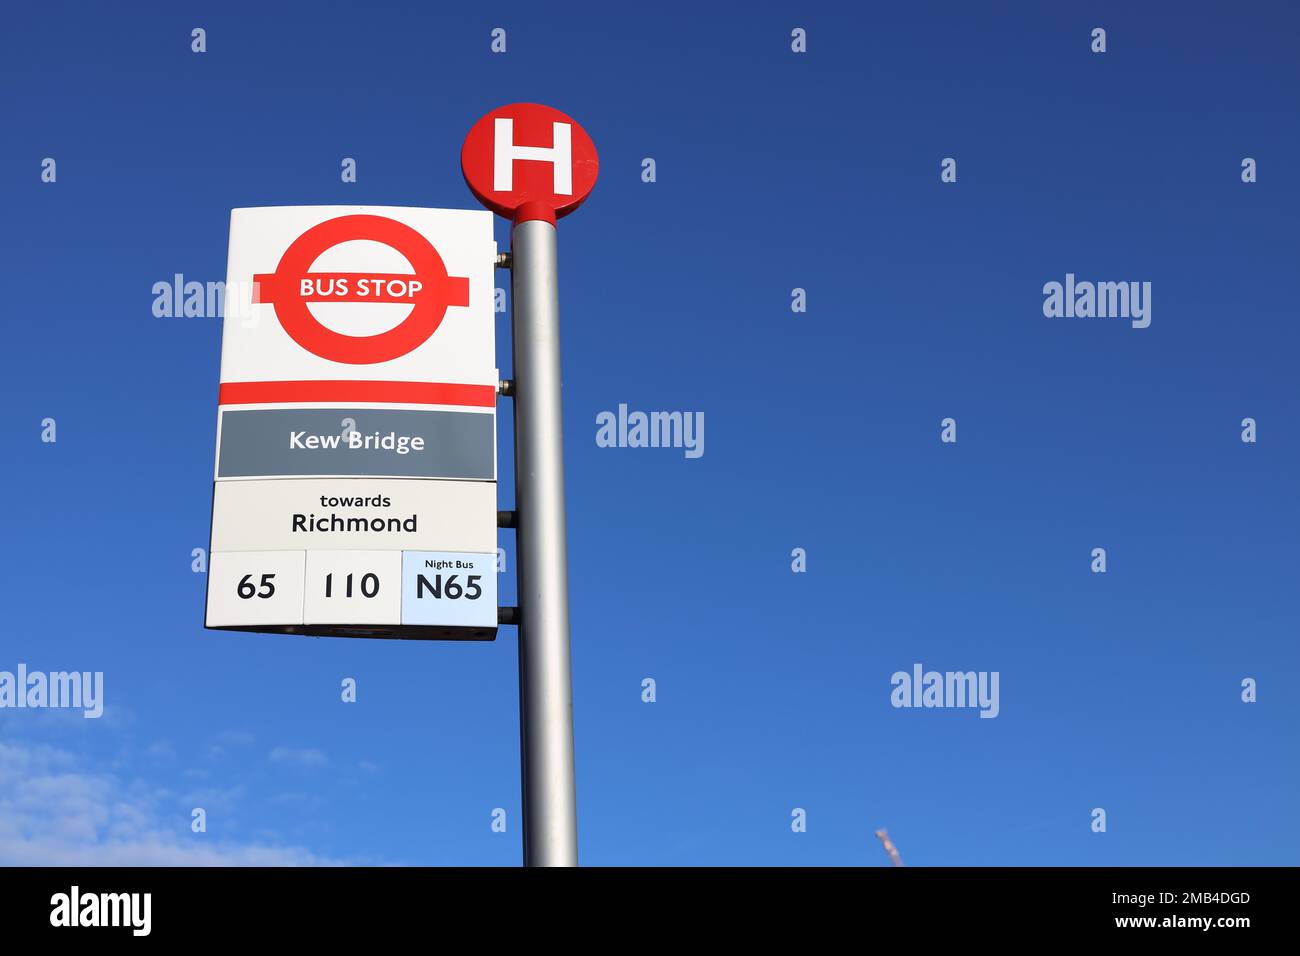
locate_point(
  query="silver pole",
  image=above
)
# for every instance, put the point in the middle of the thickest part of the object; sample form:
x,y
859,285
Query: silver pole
x,y
545,684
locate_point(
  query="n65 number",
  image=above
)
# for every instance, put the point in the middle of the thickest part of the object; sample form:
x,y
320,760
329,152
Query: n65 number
x,y
451,588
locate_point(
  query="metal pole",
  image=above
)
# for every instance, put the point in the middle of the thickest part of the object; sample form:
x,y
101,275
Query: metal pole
x,y
545,684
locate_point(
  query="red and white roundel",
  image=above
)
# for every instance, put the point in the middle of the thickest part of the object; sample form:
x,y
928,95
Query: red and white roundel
x,y
527,161
429,291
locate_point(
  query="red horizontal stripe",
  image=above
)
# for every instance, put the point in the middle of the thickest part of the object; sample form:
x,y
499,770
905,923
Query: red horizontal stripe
x,y
397,393
272,288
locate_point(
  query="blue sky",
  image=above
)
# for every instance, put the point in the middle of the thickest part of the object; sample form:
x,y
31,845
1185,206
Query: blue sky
x,y
775,171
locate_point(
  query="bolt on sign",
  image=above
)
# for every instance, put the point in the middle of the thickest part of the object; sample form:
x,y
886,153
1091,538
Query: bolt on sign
x,y
355,482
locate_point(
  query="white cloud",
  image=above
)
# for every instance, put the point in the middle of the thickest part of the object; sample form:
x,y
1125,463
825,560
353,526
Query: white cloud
x,y
55,813
161,750
304,757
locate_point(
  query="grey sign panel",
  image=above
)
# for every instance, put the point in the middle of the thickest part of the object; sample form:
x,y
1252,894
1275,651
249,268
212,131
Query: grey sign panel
x,y
363,442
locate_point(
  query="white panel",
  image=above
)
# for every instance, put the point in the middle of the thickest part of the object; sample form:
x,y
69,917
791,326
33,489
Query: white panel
x,y
255,588
353,587
255,348
424,515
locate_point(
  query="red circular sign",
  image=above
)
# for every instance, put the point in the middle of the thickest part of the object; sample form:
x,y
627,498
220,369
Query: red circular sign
x,y
429,291
528,161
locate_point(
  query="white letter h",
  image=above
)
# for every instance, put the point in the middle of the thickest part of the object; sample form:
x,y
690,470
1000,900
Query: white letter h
x,y
505,152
